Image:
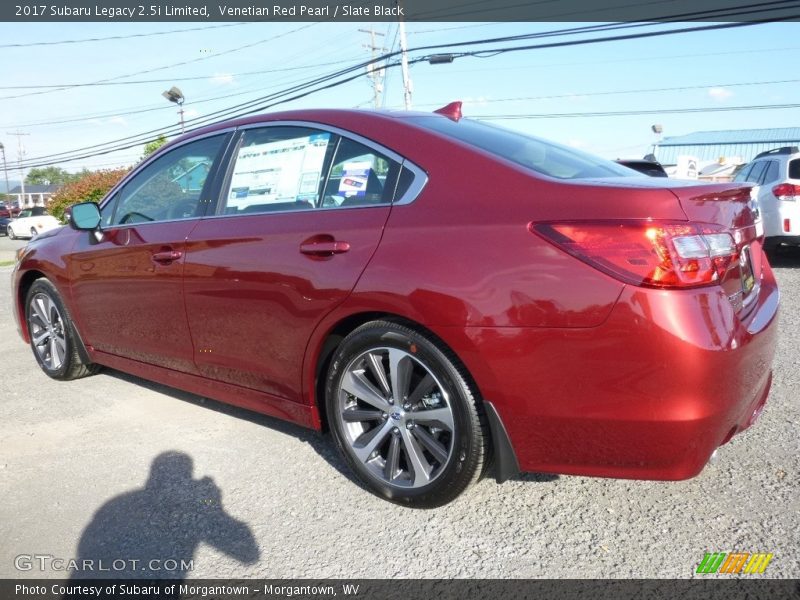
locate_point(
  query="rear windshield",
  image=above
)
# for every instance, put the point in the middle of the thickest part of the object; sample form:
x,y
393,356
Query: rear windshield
x,y
536,154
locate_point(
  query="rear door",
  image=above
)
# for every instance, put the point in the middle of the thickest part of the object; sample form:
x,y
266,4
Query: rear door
x,y
127,282
302,211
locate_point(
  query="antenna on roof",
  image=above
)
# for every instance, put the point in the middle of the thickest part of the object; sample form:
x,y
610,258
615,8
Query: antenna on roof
x,y
452,111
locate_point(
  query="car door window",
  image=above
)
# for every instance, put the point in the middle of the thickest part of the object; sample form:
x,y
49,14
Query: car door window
x,y
169,188
359,176
742,175
288,168
769,174
755,173
278,169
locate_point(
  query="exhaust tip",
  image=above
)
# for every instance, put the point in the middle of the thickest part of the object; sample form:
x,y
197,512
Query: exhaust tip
x,y
712,460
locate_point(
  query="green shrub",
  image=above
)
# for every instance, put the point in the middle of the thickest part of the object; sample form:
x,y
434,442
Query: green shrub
x,y
88,188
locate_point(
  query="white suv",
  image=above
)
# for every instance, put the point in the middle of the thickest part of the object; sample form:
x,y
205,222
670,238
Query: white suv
x,y
776,174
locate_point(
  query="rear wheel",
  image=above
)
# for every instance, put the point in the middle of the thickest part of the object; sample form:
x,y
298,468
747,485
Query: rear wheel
x,y
404,416
53,338
10,232
34,233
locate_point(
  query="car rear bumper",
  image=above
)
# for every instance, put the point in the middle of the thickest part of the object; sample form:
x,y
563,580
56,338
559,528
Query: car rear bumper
x,y
650,394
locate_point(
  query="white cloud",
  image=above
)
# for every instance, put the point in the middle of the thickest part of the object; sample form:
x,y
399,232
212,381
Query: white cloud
x,y
468,102
191,113
719,93
117,121
576,143
223,79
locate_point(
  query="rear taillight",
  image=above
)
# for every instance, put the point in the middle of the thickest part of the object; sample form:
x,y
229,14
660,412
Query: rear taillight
x,y
786,191
647,253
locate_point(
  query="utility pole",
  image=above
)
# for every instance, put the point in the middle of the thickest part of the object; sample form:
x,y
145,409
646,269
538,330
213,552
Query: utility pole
x,y
20,155
375,72
5,166
407,86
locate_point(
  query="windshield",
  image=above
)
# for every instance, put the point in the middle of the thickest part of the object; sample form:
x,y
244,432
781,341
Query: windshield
x,y
536,154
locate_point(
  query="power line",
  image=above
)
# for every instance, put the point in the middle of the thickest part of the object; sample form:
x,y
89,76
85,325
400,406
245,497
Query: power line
x,y
121,37
637,91
169,79
628,113
178,64
329,81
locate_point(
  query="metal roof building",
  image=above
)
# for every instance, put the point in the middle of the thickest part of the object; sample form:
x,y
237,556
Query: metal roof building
x,y
711,145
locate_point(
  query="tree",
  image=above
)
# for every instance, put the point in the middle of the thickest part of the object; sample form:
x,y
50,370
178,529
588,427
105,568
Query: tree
x,y
90,187
151,147
48,176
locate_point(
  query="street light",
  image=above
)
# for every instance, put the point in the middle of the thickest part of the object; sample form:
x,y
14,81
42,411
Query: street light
x,y
5,166
173,94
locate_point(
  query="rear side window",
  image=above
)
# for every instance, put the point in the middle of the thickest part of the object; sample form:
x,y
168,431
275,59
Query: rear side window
x,y
359,176
288,168
794,169
541,156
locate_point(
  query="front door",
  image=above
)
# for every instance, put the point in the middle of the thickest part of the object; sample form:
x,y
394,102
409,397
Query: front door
x,y
127,280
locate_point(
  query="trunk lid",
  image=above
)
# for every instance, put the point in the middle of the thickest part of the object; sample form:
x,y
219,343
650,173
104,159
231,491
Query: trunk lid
x,y
732,207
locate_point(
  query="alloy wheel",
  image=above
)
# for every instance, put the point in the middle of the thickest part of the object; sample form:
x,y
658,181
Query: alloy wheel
x,y
396,417
47,331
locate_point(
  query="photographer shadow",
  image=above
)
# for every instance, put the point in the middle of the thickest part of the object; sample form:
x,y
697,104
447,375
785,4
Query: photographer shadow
x,y
153,532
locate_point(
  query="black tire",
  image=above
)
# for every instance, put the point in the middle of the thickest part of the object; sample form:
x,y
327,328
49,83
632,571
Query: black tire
x,y
467,443
10,233
70,366
34,233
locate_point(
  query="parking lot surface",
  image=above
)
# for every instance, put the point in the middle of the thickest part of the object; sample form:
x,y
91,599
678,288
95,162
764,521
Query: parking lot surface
x,y
113,466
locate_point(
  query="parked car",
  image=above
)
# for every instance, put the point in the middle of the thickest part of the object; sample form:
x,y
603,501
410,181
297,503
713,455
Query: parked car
x,y
8,211
777,176
441,294
30,223
4,221
651,168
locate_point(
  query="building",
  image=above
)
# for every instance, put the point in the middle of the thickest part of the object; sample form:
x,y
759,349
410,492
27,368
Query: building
x,y
35,195
707,146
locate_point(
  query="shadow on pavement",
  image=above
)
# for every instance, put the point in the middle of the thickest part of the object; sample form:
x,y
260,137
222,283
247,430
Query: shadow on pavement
x,y
153,532
319,442
785,257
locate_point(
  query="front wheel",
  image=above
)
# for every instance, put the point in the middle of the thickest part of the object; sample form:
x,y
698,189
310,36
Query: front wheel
x,y
10,232
53,338
34,233
404,416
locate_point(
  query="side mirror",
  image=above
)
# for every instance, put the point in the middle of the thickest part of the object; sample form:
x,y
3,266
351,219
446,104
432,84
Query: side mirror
x,y
85,216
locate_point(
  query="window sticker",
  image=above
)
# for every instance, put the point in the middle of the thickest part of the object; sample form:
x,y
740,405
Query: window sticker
x,y
281,171
354,179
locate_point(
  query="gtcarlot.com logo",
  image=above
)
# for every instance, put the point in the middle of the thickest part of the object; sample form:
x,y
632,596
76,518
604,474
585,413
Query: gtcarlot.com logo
x,y
48,562
733,563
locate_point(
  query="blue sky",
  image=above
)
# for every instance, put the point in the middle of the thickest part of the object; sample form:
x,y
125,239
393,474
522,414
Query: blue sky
x,y
720,67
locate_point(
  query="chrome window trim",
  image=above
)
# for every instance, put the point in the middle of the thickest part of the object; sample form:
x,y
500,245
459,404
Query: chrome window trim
x,y
416,187
411,194
420,176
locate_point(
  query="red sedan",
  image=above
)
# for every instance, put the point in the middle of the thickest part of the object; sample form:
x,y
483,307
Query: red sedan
x,y
441,294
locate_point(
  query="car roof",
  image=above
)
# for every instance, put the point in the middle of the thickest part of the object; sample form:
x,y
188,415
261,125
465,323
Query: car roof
x,y
332,116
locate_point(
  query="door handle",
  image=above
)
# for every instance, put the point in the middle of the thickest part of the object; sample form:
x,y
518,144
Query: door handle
x,y
167,256
324,248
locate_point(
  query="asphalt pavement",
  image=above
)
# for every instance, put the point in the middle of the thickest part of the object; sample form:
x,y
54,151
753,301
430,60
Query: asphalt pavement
x,y
115,467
